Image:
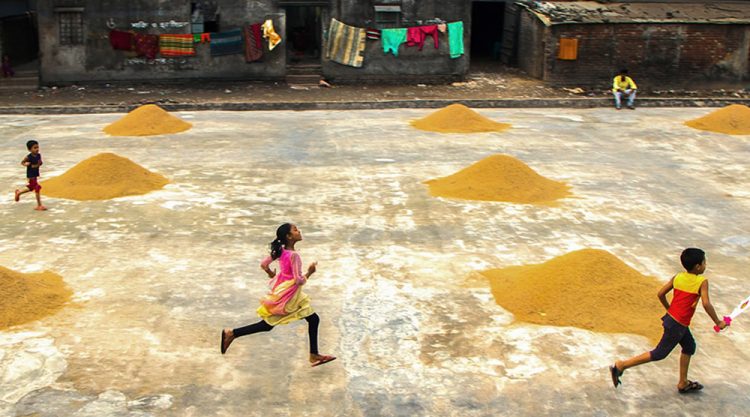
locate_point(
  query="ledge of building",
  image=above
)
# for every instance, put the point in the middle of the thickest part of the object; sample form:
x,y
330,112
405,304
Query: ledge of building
x,y
580,103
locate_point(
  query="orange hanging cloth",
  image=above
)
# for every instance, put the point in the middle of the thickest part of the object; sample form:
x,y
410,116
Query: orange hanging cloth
x,y
270,34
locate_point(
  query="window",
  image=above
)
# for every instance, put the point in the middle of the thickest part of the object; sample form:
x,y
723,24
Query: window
x,y
568,49
204,16
70,22
196,18
387,16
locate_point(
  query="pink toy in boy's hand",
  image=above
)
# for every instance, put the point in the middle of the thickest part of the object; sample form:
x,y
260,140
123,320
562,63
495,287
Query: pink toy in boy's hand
x,y
727,320
744,305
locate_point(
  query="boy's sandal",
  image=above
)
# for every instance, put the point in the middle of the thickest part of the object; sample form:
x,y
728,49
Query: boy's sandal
x,y
225,342
323,359
18,195
616,374
691,386
40,208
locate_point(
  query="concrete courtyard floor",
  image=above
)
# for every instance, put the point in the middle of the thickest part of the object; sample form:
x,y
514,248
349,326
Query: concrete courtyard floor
x,y
415,328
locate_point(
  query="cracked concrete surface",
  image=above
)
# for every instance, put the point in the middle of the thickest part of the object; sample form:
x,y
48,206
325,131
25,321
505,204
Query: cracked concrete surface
x,y
415,328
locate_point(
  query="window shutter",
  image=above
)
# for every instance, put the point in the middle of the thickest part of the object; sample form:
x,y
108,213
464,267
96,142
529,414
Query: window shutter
x,y
568,49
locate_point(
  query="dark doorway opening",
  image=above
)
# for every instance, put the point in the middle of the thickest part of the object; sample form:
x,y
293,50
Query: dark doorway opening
x,y
487,26
303,34
19,38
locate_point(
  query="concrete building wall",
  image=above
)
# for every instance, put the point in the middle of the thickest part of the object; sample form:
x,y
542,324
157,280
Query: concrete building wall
x,y
95,60
660,53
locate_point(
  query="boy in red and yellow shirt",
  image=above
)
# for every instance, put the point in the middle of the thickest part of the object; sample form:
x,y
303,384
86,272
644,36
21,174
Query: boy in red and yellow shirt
x,y
689,287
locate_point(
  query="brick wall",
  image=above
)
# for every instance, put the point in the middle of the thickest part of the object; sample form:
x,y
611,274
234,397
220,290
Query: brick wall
x,y
659,53
531,34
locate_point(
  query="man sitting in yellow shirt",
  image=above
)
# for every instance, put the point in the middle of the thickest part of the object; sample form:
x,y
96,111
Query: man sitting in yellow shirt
x,y
622,84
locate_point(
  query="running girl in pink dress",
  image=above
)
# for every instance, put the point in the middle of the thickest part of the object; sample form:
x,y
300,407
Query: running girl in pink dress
x,y
285,302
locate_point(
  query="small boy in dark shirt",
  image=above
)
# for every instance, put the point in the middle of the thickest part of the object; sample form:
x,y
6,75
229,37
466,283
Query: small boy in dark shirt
x,y
32,162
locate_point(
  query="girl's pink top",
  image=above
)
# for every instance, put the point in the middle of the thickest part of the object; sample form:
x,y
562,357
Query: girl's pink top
x,y
290,268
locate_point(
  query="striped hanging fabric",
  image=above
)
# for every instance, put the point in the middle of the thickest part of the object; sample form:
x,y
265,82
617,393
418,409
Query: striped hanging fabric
x,y
373,34
346,44
227,43
253,42
176,45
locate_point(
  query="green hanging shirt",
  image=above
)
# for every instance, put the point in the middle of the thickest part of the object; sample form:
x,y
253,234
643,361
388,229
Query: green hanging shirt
x,y
456,38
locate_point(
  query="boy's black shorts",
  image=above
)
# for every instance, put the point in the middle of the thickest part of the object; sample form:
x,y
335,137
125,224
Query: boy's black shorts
x,y
674,333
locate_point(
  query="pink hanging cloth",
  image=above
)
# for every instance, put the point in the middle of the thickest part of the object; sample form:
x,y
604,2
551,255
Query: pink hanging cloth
x,y
416,36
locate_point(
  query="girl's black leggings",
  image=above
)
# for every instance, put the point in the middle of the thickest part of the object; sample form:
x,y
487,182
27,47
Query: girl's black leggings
x,y
313,321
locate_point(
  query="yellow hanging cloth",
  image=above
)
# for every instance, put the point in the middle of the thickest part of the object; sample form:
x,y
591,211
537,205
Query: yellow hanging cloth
x,y
268,33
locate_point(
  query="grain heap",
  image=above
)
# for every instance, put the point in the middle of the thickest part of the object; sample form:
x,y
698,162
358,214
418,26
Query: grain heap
x,y
147,120
28,297
499,178
458,118
591,289
102,177
732,120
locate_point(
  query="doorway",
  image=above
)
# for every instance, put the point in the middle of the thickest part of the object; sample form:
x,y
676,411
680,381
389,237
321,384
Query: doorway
x,y
303,32
487,27
18,38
